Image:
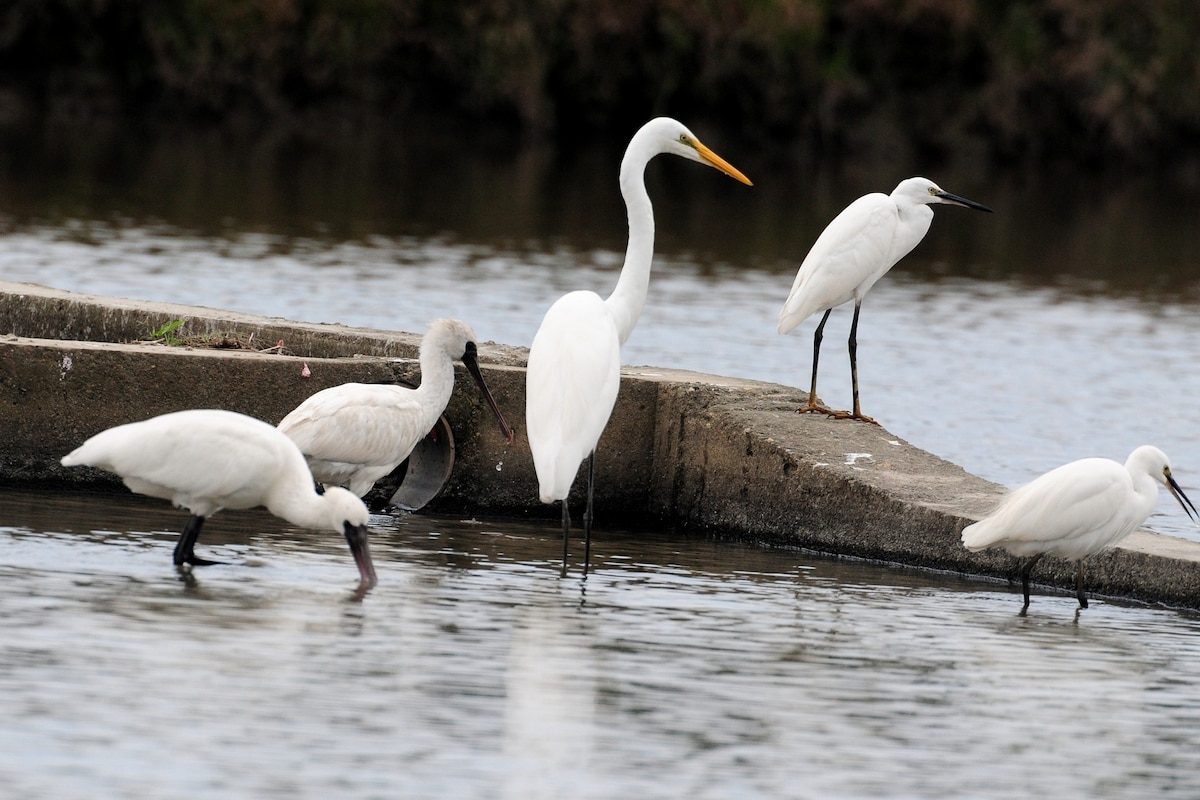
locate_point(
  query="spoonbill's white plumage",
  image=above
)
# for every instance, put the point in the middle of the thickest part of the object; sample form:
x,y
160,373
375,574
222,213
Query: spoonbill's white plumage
x,y
1076,510
356,433
205,460
575,359
854,251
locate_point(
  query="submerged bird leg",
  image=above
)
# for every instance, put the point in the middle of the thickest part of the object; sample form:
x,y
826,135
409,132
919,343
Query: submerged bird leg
x,y
566,525
853,345
186,543
587,515
1025,570
813,407
1079,586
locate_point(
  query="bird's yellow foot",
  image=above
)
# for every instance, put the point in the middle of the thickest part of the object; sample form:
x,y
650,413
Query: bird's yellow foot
x,y
813,408
858,415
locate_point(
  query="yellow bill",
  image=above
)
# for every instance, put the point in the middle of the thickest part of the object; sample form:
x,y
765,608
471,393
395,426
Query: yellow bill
x,y
714,160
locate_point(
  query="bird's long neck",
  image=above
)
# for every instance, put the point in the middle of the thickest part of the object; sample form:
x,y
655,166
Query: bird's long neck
x,y
626,301
304,509
1144,486
437,382
294,497
914,224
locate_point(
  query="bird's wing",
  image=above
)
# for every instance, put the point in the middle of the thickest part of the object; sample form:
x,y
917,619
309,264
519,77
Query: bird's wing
x,y
213,455
1057,512
357,423
852,249
571,386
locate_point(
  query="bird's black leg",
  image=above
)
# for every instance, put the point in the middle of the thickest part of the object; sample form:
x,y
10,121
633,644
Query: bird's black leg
x,y
1079,587
587,515
817,336
187,542
853,345
566,525
1025,570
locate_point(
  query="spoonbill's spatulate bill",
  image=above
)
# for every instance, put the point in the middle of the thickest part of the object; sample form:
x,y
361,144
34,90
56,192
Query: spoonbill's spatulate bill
x,y
851,254
575,360
356,433
205,460
1076,510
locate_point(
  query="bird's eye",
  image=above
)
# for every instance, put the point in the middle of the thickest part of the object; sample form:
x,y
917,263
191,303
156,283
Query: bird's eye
x,y
683,138
933,190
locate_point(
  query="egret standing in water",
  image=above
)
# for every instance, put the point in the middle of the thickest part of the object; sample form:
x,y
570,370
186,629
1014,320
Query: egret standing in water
x,y
1076,510
851,254
205,460
356,433
575,359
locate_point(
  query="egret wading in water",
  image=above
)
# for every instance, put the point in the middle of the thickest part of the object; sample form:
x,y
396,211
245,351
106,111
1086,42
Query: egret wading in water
x,y
205,460
851,254
575,359
356,433
1076,510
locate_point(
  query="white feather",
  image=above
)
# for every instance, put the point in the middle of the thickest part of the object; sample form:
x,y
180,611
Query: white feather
x,y
1075,510
205,460
356,433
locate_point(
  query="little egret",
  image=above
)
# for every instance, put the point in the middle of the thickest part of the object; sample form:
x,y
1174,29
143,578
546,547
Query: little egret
x,y
851,254
204,460
1076,510
356,433
575,359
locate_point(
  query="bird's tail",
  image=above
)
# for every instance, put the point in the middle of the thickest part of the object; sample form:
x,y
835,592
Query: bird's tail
x,y
980,535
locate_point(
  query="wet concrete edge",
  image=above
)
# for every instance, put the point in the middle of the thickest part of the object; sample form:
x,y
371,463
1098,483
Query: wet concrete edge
x,y
702,454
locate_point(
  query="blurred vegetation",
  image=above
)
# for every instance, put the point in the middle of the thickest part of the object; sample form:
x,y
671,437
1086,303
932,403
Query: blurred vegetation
x,y
1017,80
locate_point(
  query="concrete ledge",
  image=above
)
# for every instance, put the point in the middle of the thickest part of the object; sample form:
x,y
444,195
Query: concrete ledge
x,y
700,453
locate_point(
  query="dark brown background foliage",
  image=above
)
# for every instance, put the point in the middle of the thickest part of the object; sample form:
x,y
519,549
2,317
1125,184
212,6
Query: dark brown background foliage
x,y
1112,80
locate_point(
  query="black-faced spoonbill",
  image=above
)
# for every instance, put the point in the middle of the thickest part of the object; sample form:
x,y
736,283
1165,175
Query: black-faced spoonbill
x,y
205,460
575,360
1076,510
356,433
851,254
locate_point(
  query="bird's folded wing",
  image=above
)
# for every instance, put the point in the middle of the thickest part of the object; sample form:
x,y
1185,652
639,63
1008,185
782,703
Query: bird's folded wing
x,y
370,425
848,252
1063,505
197,462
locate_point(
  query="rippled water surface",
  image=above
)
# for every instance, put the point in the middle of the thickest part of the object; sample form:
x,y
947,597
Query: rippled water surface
x,y
1064,325
1005,379
680,668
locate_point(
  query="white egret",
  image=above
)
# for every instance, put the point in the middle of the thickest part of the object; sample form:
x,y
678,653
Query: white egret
x,y
356,433
575,359
851,254
1076,510
204,460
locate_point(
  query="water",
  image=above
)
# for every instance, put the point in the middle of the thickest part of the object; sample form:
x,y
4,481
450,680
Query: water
x,y
681,668
1006,379
1063,326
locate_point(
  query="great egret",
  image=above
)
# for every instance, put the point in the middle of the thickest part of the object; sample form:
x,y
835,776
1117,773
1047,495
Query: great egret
x,y
851,254
205,460
575,359
1076,510
356,433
